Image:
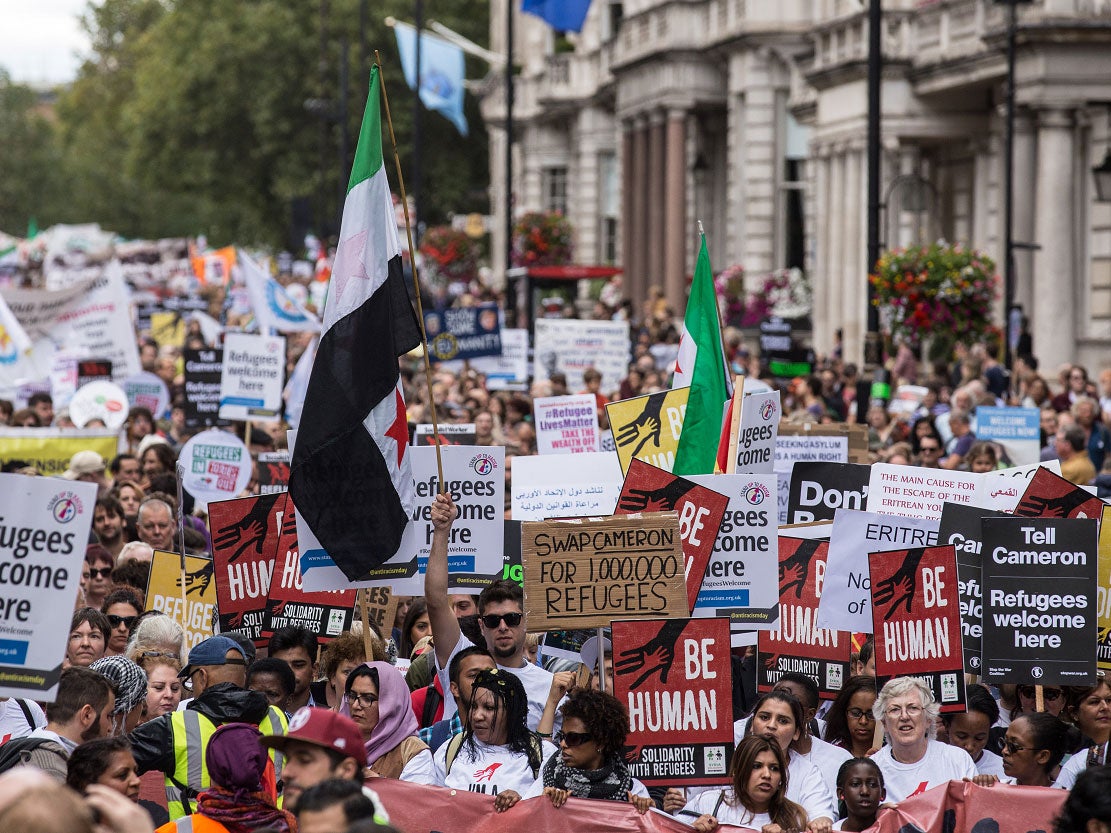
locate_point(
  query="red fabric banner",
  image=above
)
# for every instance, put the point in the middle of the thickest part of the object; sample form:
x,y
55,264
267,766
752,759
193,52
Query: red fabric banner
x,y
963,806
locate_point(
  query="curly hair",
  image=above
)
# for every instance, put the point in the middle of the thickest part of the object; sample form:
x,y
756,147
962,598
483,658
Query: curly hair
x,y
509,694
349,647
604,716
782,811
1089,799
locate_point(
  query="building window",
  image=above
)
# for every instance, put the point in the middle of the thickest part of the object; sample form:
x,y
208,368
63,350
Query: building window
x,y
609,198
611,20
791,218
554,184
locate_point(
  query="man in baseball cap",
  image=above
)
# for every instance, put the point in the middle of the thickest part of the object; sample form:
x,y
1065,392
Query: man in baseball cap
x,y
319,745
87,466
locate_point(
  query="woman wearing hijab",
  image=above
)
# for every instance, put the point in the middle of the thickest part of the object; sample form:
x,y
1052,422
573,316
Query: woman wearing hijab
x,y
377,698
131,691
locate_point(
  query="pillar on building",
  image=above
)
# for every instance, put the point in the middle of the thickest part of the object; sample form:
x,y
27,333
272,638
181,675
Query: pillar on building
x,y
654,236
1054,285
638,289
854,273
628,177
824,322
675,211
1025,174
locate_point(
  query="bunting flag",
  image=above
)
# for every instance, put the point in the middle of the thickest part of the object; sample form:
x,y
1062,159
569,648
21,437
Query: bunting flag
x,y
275,310
350,478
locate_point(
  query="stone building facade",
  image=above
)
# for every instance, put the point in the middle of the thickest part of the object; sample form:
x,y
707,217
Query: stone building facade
x,y
750,116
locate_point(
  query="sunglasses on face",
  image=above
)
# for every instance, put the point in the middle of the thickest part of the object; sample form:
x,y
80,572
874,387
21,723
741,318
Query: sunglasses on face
x,y
115,621
571,739
1014,748
1050,695
494,620
100,572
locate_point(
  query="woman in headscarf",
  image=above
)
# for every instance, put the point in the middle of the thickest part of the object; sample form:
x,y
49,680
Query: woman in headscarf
x,y
131,691
377,698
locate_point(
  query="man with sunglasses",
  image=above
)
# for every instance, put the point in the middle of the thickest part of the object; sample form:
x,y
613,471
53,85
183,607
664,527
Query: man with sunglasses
x,y
929,453
500,614
175,744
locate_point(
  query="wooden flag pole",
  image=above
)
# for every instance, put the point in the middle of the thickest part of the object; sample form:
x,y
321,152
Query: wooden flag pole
x,y
1039,699
416,280
366,625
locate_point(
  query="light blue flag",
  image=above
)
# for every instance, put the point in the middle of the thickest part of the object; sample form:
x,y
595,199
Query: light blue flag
x,y
441,72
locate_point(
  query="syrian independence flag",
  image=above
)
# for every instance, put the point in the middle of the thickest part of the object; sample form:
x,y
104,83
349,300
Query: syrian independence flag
x,y
350,478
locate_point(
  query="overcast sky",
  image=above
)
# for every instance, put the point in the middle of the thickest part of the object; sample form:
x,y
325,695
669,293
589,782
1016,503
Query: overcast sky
x,y
41,40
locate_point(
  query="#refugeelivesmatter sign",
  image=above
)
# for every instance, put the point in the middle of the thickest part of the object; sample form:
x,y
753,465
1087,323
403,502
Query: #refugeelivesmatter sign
x,y
917,620
1038,631
675,678
44,525
571,346
217,466
252,378
566,424
648,427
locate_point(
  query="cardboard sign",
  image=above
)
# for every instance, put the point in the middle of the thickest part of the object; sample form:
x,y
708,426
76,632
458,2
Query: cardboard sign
x,y
1051,496
1040,631
818,490
463,333
961,529
197,610
797,643
1103,593
845,603
566,424
99,400
916,619
245,536
701,510
1018,430
570,346
559,486
586,573
648,427
451,433
327,614
147,390
49,450
740,579
381,607
760,415
217,466
44,526
203,369
914,492
252,378
675,678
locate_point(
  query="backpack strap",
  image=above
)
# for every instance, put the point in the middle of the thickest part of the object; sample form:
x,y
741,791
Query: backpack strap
x,y
453,747
27,713
432,701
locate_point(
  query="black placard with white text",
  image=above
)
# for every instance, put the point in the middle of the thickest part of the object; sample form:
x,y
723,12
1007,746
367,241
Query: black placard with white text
x,y
818,490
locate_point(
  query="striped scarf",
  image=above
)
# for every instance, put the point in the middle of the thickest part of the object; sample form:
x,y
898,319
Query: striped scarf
x,y
244,812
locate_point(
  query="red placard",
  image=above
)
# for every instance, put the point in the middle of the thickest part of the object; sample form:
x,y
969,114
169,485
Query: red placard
x,y
797,643
1051,496
245,536
916,619
649,489
675,678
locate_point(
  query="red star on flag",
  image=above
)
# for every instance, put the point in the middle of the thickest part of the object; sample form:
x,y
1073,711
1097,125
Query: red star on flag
x,y
399,429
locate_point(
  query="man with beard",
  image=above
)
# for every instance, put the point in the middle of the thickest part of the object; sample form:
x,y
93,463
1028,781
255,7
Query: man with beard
x,y
467,664
81,711
108,524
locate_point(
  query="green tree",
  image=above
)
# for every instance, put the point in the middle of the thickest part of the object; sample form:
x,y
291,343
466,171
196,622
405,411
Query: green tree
x,y
29,175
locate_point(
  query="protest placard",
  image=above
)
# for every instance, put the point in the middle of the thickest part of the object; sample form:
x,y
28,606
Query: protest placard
x,y
99,324
102,401
44,526
1001,490
566,424
49,450
168,328
818,490
273,472
558,486
203,369
146,390
739,583
916,620
217,466
814,444
245,536
463,333
1049,495
797,643
1018,430
381,607
759,427
508,371
906,400
917,492
93,370
451,433
1103,593
570,346
1039,600
195,609
648,427
845,602
675,678
252,378
960,528
701,510
586,573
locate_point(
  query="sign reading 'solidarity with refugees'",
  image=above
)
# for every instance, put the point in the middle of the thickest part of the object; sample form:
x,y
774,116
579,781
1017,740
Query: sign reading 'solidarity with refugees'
x,y
1040,600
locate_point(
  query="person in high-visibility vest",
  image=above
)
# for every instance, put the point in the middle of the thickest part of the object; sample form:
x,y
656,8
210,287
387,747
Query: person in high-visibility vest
x,y
174,744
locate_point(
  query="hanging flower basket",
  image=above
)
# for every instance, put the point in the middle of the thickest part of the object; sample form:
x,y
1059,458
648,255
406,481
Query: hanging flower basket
x,y
542,239
451,254
785,293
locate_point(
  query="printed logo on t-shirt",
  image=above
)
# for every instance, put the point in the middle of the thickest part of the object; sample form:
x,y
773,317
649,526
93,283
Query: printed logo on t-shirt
x,y
921,789
486,773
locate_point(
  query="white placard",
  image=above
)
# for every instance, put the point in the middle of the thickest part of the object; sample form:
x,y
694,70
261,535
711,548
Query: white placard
x,y
148,391
45,524
846,598
561,486
756,439
99,325
566,424
803,448
252,377
571,346
509,371
217,466
916,492
99,400
1001,490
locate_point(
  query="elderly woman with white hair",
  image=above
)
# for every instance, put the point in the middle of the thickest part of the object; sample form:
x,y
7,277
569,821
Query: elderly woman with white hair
x,y
913,761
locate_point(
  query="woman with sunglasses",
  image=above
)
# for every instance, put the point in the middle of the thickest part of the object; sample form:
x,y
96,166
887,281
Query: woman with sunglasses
x,y
1089,707
850,723
757,797
100,563
377,699
496,754
1033,748
122,607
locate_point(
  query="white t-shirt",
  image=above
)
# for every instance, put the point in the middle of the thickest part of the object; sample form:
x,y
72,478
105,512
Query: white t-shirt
x,y
736,814
495,769
940,765
537,682
419,769
828,759
1070,771
990,764
807,787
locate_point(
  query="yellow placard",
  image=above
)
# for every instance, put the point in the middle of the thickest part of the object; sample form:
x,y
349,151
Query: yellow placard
x,y
49,449
168,328
1103,593
197,610
648,427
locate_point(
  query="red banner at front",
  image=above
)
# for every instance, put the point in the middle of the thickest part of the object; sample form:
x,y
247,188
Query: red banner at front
x,y
961,805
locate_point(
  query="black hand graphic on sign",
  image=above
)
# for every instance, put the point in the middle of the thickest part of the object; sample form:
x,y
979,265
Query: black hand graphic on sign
x,y
657,654
1052,507
903,581
644,427
250,531
794,569
197,583
664,497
